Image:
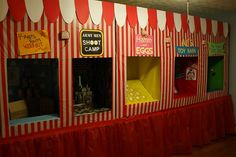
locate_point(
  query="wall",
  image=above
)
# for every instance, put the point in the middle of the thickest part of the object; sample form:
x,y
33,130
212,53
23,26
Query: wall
x,y
232,62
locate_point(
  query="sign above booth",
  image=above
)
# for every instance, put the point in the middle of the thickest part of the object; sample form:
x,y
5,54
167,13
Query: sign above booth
x,y
33,42
143,45
187,48
91,42
216,49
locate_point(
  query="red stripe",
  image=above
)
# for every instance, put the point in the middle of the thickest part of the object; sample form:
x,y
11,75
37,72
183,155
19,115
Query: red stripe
x,y
45,125
32,127
15,40
19,130
3,83
39,127
26,129
170,20
13,131
56,124
209,26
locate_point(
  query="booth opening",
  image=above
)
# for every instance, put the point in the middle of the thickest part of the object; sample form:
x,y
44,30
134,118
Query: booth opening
x,y
186,69
92,85
215,80
143,80
33,88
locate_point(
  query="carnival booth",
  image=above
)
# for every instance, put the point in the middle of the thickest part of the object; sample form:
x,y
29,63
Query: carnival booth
x,y
85,77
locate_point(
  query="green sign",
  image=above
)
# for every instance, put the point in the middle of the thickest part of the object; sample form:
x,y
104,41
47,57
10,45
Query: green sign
x,y
216,49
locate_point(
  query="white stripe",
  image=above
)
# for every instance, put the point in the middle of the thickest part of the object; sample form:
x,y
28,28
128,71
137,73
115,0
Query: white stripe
x,y
12,34
95,9
39,27
5,47
70,81
109,41
80,120
106,39
29,128
214,27
75,38
67,8
120,71
120,14
161,18
142,14
34,9
22,127
52,40
63,51
114,84
129,40
75,121
16,130
4,9
45,27
226,29
58,45
109,115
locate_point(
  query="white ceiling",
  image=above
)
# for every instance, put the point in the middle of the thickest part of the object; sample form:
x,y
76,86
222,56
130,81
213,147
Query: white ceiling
x,y
204,8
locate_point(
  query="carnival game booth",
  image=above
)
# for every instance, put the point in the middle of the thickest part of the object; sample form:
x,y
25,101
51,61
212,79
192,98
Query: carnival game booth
x,y
85,77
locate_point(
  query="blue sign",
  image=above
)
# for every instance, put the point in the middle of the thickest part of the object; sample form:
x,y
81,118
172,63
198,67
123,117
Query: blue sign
x,y
183,50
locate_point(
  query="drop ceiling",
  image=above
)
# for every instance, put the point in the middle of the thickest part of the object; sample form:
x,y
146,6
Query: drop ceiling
x,y
204,8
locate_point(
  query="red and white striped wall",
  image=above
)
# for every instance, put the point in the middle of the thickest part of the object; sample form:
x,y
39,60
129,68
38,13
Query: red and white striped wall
x,y
62,50
119,23
167,54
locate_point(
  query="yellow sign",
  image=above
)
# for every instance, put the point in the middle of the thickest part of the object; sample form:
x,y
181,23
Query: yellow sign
x,y
33,42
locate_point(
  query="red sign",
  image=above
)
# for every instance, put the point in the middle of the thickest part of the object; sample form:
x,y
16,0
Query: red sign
x,y
143,45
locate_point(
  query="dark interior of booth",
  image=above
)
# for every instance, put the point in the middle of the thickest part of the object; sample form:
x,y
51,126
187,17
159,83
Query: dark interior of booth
x,y
92,85
33,88
185,86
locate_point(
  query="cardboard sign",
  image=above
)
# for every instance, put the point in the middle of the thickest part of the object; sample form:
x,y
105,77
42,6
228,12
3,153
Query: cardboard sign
x,y
216,48
182,50
187,48
143,45
33,42
191,73
91,42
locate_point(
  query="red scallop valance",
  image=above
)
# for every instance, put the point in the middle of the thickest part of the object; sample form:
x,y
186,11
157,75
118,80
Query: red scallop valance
x,y
132,15
17,9
83,10
51,9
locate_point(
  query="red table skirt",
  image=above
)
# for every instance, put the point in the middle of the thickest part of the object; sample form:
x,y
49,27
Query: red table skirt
x,y
155,135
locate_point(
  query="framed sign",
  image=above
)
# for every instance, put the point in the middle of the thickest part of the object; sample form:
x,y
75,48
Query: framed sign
x,y
91,42
33,42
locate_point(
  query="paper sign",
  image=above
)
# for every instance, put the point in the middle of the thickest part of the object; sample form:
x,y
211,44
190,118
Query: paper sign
x,y
182,50
187,48
191,73
143,45
33,42
216,48
91,43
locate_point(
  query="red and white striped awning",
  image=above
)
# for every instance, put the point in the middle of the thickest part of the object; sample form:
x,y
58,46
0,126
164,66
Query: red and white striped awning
x,y
99,10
